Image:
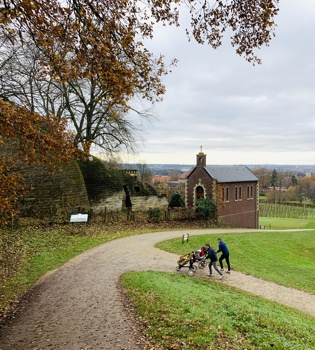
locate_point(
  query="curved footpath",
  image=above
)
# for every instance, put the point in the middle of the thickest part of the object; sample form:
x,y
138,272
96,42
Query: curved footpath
x,y
78,306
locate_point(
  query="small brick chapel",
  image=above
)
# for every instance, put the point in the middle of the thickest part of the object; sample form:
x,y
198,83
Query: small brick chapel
x,y
233,188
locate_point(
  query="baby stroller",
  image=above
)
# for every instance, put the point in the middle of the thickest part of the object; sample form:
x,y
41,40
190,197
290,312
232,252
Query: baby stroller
x,y
202,262
200,257
187,261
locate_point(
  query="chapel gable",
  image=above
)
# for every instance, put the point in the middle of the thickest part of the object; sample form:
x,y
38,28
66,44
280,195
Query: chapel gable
x,y
228,187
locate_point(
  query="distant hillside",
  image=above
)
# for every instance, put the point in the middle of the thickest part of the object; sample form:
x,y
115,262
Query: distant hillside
x,y
158,168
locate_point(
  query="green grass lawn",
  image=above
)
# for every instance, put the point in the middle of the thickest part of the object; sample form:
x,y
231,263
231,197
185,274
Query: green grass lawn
x,y
185,312
182,312
287,258
273,223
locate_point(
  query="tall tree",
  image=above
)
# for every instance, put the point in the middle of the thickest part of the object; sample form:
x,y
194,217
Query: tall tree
x,y
83,38
274,179
294,181
95,120
103,39
264,177
306,188
144,172
88,108
24,81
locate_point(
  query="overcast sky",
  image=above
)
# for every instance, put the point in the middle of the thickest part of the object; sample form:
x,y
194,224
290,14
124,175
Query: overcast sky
x,y
239,113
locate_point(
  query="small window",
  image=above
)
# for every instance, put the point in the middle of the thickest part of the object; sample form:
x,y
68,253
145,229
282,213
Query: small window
x,y
240,193
223,194
248,193
227,194
236,193
200,193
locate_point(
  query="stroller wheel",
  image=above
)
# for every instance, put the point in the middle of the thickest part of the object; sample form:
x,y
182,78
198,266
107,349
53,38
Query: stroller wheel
x,y
177,268
191,272
202,264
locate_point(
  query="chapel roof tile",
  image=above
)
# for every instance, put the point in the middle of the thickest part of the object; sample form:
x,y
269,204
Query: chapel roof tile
x,y
231,173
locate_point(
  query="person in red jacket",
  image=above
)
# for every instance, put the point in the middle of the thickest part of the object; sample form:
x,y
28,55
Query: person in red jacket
x,y
212,255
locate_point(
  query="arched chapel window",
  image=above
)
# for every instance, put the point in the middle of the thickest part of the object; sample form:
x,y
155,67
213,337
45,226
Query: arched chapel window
x,y
200,193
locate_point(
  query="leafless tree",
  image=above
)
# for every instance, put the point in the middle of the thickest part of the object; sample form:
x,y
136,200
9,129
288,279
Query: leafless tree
x,y
95,118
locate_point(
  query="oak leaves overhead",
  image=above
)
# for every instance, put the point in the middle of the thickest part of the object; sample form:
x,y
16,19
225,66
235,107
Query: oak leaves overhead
x,y
103,38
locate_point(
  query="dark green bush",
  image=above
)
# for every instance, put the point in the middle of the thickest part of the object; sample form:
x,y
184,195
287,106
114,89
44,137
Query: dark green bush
x,y
177,200
155,214
206,209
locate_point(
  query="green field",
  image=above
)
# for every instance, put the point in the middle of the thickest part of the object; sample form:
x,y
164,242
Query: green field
x,y
287,258
286,211
182,312
278,223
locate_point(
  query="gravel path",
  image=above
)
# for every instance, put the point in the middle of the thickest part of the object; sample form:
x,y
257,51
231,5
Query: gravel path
x,y
79,307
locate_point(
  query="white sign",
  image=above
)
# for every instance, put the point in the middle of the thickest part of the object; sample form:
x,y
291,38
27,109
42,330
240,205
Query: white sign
x,y
79,218
185,238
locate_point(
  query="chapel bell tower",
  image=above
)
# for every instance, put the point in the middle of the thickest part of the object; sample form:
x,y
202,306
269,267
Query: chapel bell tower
x,y
201,159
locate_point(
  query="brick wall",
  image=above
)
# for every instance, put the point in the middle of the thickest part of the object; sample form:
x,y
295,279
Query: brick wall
x,y
241,208
239,211
199,177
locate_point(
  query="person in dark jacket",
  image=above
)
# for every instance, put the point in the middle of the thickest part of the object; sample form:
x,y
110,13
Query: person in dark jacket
x,y
225,255
212,255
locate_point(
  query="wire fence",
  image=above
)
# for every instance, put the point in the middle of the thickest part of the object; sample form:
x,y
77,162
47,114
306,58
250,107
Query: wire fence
x,y
151,214
108,216
177,214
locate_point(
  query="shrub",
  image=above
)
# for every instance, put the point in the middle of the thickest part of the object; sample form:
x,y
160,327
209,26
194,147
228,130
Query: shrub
x,y
176,200
206,209
154,214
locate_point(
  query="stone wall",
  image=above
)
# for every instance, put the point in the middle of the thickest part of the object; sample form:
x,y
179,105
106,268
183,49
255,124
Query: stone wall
x,y
54,195
139,203
85,186
112,203
144,203
114,189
